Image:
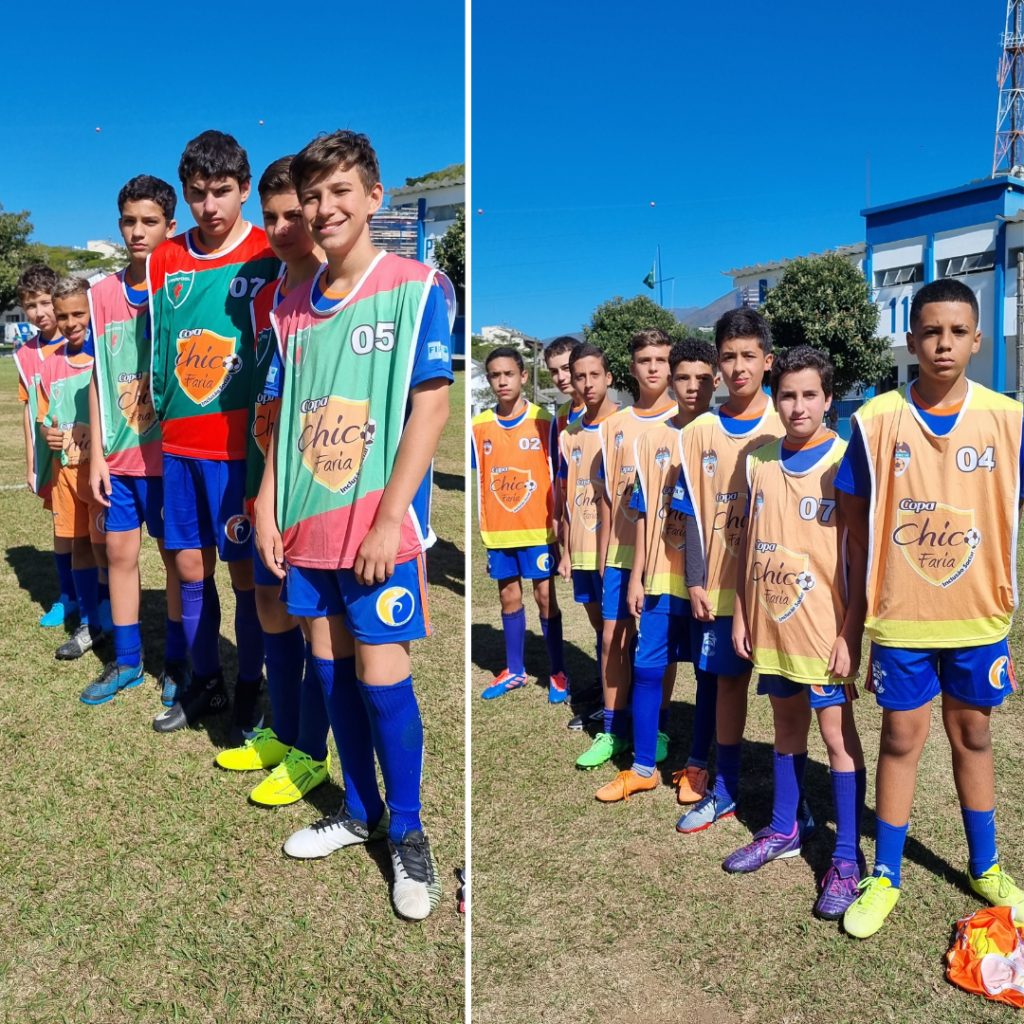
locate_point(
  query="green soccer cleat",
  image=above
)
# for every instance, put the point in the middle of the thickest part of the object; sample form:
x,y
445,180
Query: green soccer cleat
x,y
661,752
605,746
999,889
291,780
262,750
877,898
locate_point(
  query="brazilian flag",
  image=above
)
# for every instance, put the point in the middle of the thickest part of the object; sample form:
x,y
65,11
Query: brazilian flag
x,y
649,279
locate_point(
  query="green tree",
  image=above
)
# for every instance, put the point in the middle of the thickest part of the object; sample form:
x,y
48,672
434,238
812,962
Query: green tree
x,y
826,303
450,255
64,259
612,325
15,253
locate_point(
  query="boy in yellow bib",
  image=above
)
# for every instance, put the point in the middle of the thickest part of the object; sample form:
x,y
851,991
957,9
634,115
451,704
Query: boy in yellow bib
x,y
930,486
796,621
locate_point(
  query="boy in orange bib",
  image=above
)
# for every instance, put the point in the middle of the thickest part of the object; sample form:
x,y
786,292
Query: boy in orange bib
x,y
796,621
512,460
930,486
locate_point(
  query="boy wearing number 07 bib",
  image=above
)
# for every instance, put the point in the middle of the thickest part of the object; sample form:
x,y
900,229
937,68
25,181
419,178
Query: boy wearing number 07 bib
x,y
799,616
931,481
365,354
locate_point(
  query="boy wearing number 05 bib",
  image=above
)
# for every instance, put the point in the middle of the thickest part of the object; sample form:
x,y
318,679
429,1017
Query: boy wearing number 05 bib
x,y
365,354
795,619
931,483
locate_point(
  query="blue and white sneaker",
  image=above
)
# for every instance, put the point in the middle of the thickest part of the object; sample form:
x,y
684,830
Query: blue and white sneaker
x,y
805,820
505,682
114,679
703,815
174,680
63,608
106,617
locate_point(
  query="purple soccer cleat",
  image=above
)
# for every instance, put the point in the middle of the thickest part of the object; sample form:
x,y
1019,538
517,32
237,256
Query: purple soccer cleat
x,y
767,845
839,890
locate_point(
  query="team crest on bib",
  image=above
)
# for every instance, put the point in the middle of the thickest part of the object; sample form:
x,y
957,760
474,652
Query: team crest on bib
x,y
337,433
783,579
709,460
758,503
205,363
901,458
619,435
135,403
939,541
264,343
177,286
298,348
661,457
488,447
513,487
577,455
115,336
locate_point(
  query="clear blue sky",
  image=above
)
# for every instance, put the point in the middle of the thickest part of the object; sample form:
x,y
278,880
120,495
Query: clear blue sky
x,y
746,123
153,80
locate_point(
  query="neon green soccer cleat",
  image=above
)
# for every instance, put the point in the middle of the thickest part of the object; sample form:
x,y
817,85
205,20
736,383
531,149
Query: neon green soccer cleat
x,y
291,780
262,750
662,748
999,889
605,746
874,904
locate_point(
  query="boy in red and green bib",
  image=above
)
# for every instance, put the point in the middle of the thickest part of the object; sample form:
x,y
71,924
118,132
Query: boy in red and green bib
x,y
365,355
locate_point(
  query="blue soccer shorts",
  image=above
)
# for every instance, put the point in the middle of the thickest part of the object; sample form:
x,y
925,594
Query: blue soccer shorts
x,y
614,594
385,613
664,632
586,586
903,679
822,695
711,643
135,500
262,575
539,562
204,506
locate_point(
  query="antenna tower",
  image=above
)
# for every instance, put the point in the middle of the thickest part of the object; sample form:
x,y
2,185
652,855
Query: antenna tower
x,y
1009,152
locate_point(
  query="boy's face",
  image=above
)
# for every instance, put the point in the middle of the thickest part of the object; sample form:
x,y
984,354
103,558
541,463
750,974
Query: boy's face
x,y
801,403
72,314
506,379
944,338
144,226
336,208
591,380
651,368
694,384
216,203
38,308
743,366
558,367
282,220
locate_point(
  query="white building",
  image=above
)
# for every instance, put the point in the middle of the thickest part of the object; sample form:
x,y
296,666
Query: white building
x,y
441,202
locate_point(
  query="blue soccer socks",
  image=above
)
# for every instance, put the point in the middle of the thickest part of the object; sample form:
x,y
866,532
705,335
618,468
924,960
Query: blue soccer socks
x,y
862,789
514,626
313,720
704,715
128,645
600,664
844,797
646,714
398,739
200,619
980,827
66,576
175,645
727,776
352,734
102,587
889,840
285,657
249,636
87,587
552,630
616,722
662,719
787,792
800,766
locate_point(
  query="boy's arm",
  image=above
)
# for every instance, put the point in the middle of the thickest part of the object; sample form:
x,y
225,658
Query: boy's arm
x,y
604,531
269,545
99,475
635,594
854,512
845,660
30,459
696,572
740,633
375,561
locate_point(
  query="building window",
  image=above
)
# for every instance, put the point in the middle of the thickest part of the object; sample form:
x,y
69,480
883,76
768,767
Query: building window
x,y
913,372
899,275
890,382
975,264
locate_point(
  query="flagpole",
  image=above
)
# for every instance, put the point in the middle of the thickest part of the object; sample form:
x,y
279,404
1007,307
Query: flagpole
x,y
661,286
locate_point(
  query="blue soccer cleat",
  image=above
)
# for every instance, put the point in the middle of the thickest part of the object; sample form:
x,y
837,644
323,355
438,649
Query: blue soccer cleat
x,y
114,679
63,608
558,688
505,682
703,815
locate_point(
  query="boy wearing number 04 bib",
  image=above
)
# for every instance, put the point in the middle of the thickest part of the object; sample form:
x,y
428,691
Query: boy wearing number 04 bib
x,y
931,481
365,353
799,617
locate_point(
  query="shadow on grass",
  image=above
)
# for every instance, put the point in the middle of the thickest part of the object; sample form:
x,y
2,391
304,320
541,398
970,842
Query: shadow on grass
x,y
449,481
446,567
36,574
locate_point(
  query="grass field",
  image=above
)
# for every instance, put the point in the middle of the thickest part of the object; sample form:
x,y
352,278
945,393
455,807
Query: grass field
x,y
589,912
138,884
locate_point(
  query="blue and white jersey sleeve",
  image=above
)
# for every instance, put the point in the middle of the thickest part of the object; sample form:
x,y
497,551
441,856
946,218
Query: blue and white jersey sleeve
x,y
854,473
434,344
274,385
637,501
681,497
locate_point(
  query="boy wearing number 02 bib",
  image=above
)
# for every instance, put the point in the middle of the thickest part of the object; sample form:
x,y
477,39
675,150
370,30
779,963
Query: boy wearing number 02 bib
x,y
799,616
365,354
931,482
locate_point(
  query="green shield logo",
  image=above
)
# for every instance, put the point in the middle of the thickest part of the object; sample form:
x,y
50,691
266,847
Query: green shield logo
x,y
177,286
264,344
299,348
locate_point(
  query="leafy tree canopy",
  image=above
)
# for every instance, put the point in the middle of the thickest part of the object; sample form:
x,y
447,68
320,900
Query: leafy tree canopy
x,y
450,254
451,171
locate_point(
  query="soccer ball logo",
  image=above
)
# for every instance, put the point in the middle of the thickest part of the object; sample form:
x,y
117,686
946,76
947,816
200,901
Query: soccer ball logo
x,y
805,581
232,363
902,458
972,538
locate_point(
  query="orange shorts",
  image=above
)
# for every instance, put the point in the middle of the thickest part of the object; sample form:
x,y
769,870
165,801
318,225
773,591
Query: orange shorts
x,y
74,512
